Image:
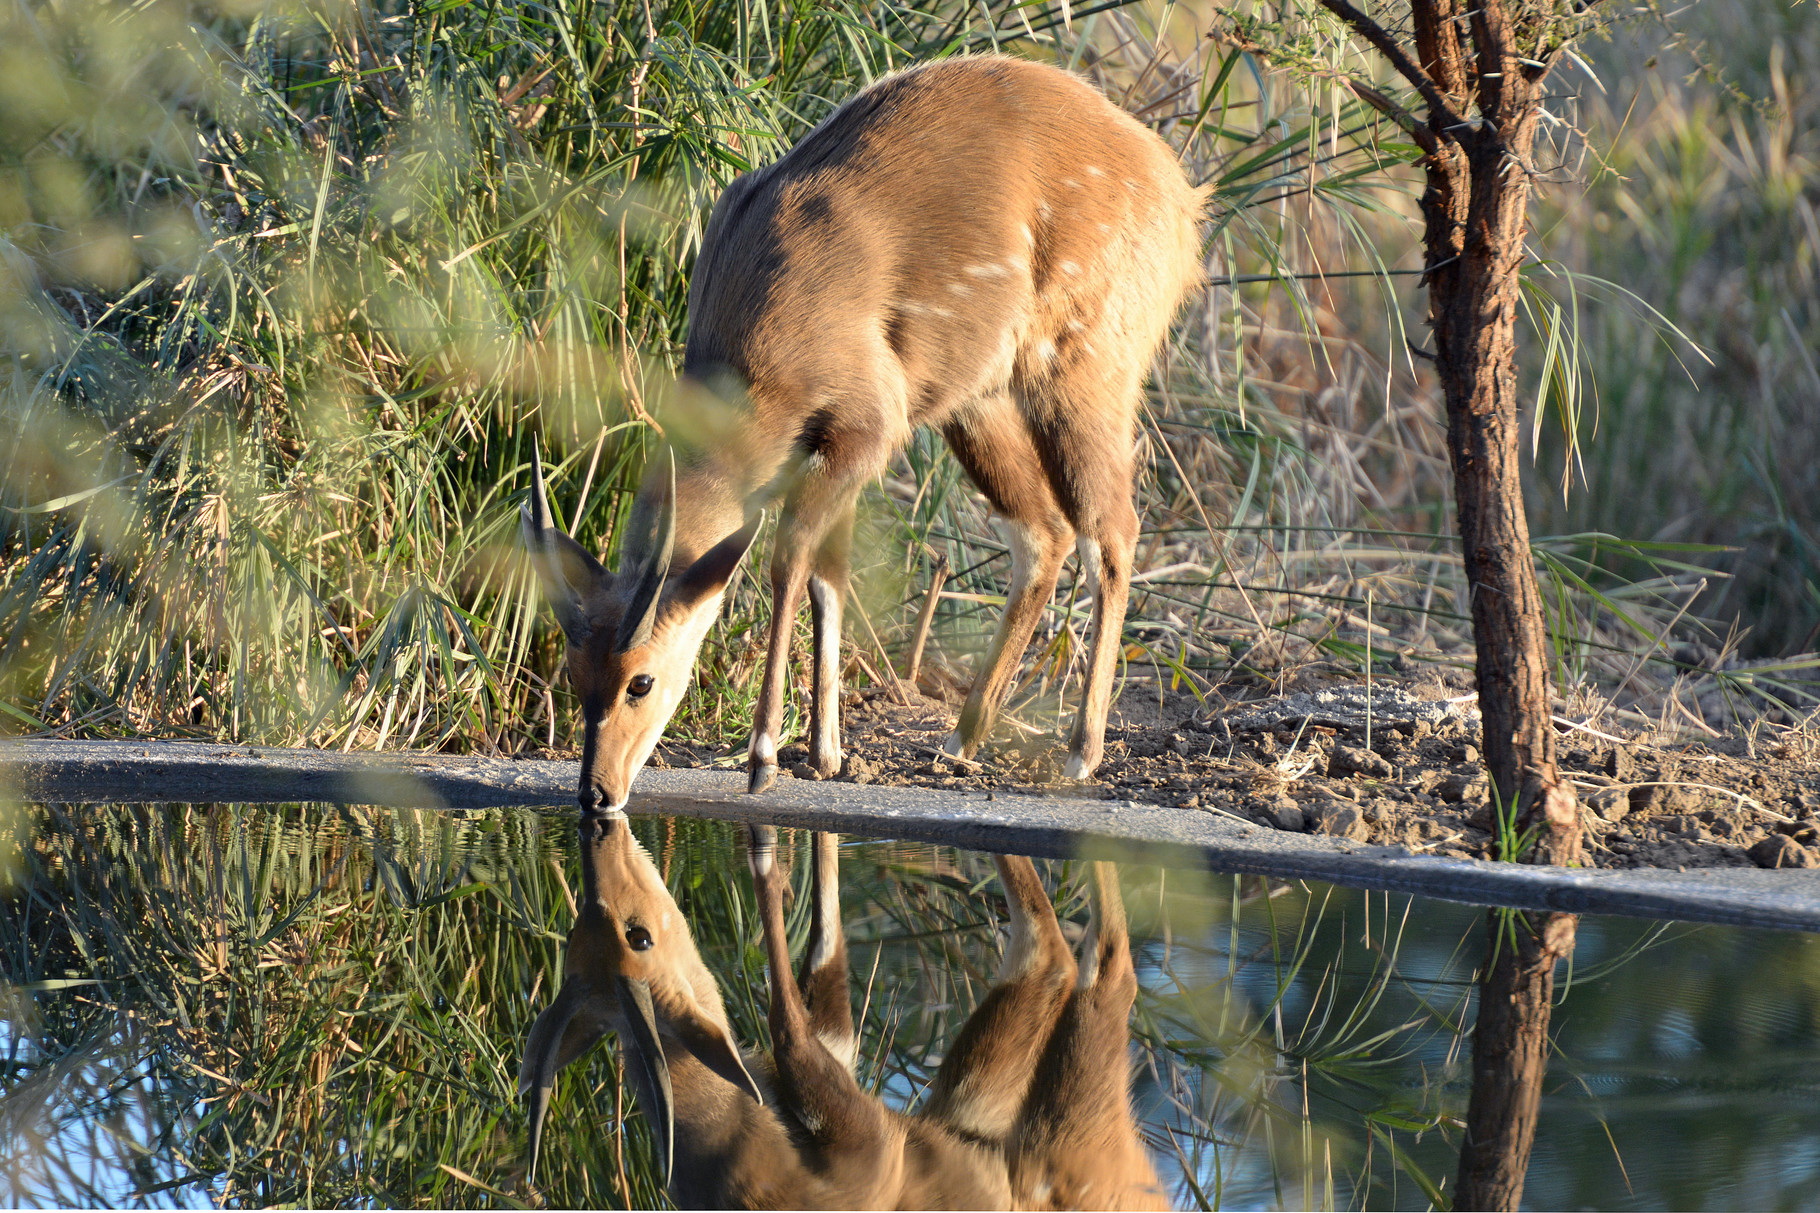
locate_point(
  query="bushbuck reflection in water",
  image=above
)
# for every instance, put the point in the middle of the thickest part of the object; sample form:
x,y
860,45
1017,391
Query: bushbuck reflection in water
x,y
1030,1108
927,256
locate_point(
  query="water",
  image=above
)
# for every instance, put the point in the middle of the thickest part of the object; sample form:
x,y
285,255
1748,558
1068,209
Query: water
x,y
208,1004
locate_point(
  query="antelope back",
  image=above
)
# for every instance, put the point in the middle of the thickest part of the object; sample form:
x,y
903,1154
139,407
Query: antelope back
x,y
955,229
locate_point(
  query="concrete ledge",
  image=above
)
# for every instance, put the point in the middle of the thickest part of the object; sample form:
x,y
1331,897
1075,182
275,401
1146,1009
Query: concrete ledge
x,y
1050,825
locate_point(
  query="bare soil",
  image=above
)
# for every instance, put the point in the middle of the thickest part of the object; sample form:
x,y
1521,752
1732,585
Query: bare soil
x,y
1305,758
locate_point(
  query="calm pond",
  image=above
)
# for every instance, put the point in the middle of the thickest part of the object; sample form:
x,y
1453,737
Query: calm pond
x,y
326,1005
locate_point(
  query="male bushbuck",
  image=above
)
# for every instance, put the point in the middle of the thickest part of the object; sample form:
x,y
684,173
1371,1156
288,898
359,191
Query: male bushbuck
x,y
1029,1109
984,246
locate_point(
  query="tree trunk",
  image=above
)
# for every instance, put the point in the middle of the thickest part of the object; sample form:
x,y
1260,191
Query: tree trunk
x,y
1475,214
1479,66
1510,1055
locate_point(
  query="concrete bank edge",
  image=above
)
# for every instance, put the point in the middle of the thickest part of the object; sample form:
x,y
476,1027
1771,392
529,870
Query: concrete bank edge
x,y
1049,825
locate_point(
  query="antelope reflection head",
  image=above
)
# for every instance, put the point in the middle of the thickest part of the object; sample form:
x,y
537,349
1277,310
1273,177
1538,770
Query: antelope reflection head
x,y
632,966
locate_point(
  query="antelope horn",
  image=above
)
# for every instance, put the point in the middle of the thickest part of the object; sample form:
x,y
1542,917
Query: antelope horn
x,y
537,1074
641,1020
537,515
642,613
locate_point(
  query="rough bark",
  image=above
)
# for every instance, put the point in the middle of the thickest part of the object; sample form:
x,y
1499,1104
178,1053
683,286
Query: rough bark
x,y
1475,214
1479,70
1510,1055
1483,95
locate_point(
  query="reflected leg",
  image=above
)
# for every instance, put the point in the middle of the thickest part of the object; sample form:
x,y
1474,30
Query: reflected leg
x,y
1076,1144
984,1079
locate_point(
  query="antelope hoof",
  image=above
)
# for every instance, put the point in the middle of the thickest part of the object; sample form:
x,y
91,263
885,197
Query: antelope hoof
x,y
1077,768
763,778
954,747
761,849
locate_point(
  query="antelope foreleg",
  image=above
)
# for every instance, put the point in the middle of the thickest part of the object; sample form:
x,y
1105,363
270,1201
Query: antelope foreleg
x,y
824,973
854,1136
827,595
985,1078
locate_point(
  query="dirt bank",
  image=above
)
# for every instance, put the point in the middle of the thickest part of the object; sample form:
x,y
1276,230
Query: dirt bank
x,y
1310,760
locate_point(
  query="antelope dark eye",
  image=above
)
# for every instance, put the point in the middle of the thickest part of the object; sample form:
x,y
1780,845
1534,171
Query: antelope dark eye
x,y
639,938
639,687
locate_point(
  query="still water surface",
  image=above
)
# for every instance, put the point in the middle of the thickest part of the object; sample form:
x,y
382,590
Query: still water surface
x,y
325,1005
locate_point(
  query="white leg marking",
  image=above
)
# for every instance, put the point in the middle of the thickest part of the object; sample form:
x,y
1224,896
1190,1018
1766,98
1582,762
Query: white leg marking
x,y
952,746
1091,558
844,1049
1090,957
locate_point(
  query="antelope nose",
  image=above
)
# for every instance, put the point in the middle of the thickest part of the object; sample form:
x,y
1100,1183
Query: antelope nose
x,y
590,798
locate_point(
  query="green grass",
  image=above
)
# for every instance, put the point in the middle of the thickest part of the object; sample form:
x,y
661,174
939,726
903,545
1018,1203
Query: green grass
x,y
286,291
1704,206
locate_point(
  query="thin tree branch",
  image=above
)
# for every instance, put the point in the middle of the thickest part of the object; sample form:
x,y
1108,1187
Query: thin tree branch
x,y
1412,125
1416,128
1440,110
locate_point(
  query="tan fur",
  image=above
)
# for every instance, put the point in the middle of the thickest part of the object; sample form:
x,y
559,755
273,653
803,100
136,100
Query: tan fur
x,y
984,246
1030,1108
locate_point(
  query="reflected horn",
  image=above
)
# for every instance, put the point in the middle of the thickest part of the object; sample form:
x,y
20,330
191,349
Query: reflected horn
x,y
642,1043
537,1074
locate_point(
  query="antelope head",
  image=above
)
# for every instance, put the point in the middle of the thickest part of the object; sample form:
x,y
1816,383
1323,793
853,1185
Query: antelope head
x,y
632,967
633,635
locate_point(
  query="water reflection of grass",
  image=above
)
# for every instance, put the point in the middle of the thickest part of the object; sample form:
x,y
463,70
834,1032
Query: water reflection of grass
x,y
320,1005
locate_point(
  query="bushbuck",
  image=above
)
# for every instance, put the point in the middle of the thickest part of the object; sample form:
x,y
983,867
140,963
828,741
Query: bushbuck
x,y
1030,1108
984,246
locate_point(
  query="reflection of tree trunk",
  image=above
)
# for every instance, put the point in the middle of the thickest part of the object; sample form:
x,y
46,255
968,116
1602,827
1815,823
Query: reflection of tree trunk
x,y
1510,1055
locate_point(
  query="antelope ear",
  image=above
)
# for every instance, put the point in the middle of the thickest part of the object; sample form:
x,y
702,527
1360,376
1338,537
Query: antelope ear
x,y
714,568
568,573
714,1048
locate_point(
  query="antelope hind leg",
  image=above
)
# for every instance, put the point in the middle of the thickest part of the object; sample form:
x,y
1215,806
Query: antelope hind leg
x,y
1076,1143
1087,454
993,442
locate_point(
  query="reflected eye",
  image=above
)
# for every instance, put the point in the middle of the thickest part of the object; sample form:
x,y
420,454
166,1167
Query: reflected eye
x,y
639,938
639,687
